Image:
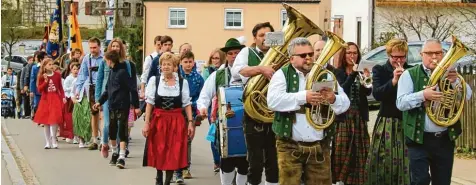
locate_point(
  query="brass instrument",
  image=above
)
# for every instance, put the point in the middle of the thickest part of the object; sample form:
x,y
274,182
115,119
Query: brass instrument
x,y
448,109
314,114
365,81
255,105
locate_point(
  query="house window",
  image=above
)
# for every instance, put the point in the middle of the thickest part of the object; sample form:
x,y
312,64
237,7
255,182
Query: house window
x,y
284,17
233,19
91,8
67,7
177,17
139,9
126,12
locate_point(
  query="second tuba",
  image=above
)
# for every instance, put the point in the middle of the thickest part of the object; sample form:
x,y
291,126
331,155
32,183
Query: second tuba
x,y
322,116
447,111
254,94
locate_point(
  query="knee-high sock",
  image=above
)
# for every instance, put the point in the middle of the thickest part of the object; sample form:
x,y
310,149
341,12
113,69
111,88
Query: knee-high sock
x,y
227,178
54,130
241,179
47,135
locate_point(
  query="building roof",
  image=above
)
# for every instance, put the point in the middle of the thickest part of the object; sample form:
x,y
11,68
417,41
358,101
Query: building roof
x,y
240,1
420,3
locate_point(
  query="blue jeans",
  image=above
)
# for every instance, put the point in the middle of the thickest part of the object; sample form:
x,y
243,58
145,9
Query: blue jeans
x,y
105,128
36,101
216,155
434,155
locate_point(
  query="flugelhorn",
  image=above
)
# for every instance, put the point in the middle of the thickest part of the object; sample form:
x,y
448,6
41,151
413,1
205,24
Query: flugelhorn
x,y
365,81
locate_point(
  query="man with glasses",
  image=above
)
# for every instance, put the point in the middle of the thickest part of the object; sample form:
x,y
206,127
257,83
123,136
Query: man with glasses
x,y
430,147
218,79
260,139
302,150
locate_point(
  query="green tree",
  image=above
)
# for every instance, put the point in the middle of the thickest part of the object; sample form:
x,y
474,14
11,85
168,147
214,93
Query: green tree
x,y
11,32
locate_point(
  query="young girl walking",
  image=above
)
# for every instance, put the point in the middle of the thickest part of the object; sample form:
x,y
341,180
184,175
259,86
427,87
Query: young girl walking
x,y
66,130
165,127
50,108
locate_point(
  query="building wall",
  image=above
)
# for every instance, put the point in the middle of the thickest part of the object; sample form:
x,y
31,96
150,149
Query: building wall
x,y
205,23
349,14
98,21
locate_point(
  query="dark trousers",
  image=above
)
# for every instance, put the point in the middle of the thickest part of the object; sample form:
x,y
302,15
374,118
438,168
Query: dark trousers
x,y
118,124
436,155
26,104
261,146
228,165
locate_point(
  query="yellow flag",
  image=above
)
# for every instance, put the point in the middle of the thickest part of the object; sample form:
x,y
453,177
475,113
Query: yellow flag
x,y
74,33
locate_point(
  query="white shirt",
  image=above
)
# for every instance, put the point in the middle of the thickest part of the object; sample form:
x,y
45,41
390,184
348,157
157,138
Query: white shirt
x,y
146,67
68,85
241,61
12,79
408,99
209,90
165,90
281,101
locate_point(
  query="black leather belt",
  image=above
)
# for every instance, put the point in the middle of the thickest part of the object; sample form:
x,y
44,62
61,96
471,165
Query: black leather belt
x,y
437,134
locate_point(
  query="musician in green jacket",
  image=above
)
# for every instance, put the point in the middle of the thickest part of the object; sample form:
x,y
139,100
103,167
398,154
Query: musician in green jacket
x,y
430,147
302,150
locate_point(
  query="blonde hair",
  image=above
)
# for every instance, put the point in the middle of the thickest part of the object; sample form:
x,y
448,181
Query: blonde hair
x,y
220,53
42,70
122,51
167,56
396,44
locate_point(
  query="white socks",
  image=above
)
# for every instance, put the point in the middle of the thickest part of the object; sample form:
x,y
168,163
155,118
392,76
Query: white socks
x,y
122,154
54,130
114,149
227,178
241,179
269,183
47,136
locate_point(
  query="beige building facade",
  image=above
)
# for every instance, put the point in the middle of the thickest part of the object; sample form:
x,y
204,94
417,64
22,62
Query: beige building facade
x,y
207,25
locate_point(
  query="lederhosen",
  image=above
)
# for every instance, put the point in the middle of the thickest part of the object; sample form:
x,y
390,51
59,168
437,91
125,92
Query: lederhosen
x,y
92,87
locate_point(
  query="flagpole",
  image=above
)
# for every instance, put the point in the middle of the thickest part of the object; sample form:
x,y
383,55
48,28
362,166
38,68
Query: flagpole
x,y
62,25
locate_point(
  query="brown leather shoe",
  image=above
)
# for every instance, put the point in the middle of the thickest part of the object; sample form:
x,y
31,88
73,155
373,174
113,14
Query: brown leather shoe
x,y
93,146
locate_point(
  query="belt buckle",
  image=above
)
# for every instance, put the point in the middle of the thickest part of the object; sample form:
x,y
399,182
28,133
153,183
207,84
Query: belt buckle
x,y
438,134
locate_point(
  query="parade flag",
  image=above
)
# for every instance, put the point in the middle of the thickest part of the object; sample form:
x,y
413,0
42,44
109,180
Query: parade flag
x,y
55,37
74,33
44,41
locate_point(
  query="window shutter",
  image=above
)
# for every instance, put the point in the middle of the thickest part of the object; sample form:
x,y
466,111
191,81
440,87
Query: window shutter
x,y
139,9
88,7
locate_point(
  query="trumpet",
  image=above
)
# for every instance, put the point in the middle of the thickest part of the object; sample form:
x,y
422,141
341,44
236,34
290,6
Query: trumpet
x,y
365,81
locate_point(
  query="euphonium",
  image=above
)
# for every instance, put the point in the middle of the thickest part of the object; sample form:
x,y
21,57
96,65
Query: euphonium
x,y
255,104
448,109
322,116
365,81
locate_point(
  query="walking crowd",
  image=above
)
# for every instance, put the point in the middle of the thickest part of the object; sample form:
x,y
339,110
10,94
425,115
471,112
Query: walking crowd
x,y
174,97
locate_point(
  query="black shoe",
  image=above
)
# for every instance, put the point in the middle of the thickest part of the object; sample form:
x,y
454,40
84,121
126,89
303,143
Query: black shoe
x,y
127,152
158,181
121,164
113,159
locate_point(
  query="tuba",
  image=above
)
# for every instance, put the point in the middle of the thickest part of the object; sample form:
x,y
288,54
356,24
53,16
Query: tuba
x,y
256,89
447,111
322,116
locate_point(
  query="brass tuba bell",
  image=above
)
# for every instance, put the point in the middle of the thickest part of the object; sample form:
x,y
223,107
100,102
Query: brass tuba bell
x,y
322,116
447,111
255,105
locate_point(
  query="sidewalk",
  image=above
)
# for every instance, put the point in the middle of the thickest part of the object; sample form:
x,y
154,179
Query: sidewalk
x,y
464,171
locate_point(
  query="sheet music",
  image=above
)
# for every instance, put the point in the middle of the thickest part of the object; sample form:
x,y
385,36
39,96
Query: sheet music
x,y
274,39
366,64
317,86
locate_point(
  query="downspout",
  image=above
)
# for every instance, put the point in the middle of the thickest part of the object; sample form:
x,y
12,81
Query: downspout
x,y
372,26
144,26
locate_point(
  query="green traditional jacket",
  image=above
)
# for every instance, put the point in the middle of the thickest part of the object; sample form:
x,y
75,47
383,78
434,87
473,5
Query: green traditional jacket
x,y
220,79
253,59
414,120
283,121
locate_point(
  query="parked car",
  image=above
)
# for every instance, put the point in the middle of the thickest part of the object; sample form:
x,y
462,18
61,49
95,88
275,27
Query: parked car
x,y
379,56
14,65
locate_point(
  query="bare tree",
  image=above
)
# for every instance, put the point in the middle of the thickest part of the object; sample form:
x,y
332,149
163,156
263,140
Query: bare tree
x,y
468,19
11,33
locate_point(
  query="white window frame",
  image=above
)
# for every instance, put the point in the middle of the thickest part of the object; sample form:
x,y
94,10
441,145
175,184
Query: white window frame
x,y
233,27
282,17
185,18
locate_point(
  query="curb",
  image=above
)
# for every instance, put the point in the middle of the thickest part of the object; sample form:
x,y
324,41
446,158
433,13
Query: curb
x,y
15,160
457,180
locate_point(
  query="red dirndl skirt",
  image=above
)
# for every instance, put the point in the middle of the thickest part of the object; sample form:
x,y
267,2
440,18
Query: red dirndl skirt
x,y
66,129
166,146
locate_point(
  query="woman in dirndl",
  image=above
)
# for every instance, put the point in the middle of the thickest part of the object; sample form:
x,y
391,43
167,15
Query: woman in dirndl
x,y
166,129
387,161
81,117
351,142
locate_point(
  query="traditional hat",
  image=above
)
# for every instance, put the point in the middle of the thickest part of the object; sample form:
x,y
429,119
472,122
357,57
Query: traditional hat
x,y
231,44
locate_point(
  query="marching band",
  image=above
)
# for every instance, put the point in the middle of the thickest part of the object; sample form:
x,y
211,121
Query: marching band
x,y
281,109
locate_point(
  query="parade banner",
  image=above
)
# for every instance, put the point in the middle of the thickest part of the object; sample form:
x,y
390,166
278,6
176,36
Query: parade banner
x,y
74,32
55,36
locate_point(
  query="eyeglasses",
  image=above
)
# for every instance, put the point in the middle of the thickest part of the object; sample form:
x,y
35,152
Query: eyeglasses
x,y
351,53
304,55
398,57
232,53
431,53
215,58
